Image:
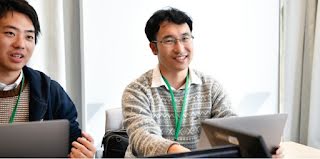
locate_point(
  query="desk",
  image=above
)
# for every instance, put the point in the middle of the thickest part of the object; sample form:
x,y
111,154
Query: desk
x,y
295,150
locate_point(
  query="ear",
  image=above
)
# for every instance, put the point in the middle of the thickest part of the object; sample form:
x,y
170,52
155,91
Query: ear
x,y
153,47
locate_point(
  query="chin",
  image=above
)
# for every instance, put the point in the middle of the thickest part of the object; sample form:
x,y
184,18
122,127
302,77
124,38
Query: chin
x,y
16,68
182,69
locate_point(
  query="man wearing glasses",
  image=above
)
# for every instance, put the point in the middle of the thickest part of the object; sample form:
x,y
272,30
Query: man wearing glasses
x,y
164,107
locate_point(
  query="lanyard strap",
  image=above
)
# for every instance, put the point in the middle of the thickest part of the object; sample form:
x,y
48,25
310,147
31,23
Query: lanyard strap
x,y
17,103
178,121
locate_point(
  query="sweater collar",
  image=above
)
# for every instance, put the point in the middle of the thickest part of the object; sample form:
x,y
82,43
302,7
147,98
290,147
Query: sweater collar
x,y
5,87
157,80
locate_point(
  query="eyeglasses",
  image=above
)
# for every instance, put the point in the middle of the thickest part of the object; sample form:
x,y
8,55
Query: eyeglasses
x,y
171,41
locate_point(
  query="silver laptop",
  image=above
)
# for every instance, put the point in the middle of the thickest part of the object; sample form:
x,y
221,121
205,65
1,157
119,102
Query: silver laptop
x,y
269,127
35,139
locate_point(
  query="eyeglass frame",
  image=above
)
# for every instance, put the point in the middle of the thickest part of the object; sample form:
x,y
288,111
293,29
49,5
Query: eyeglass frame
x,y
175,40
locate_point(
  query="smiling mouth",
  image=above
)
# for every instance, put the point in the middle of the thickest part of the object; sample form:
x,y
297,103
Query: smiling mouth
x,y
17,56
181,57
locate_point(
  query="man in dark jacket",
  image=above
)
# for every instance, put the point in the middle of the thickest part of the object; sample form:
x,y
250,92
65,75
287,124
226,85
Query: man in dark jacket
x,y
27,94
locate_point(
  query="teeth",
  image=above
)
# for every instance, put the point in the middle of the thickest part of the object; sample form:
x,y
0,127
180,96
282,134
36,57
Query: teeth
x,y
181,57
17,56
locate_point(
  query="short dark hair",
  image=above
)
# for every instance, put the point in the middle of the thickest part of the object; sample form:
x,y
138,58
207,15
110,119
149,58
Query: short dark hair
x,y
23,7
171,15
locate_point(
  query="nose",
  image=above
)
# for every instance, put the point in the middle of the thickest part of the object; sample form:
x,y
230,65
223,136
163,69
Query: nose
x,y
178,46
19,42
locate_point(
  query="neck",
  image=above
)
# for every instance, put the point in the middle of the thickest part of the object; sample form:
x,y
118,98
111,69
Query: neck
x,y
9,77
176,79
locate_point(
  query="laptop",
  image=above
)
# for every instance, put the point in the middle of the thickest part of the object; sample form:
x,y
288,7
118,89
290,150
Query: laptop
x,y
35,139
227,151
243,145
237,137
268,127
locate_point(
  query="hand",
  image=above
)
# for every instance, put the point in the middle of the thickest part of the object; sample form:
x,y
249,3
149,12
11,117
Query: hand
x,y
83,147
176,148
278,152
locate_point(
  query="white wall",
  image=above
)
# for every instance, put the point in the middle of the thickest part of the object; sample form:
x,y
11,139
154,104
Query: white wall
x,y
236,41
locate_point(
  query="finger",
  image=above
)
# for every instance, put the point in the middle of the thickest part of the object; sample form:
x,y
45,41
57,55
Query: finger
x,y
87,144
71,155
277,156
279,150
87,141
75,153
87,136
82,148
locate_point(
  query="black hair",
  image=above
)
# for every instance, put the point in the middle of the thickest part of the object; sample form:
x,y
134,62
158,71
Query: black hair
x,y
171,15
23,7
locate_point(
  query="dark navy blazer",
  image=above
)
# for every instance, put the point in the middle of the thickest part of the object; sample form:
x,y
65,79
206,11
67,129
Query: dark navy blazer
x,y
49,101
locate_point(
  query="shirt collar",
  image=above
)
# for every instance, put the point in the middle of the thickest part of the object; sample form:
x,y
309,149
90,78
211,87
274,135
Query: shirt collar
x,y
5,87
158,81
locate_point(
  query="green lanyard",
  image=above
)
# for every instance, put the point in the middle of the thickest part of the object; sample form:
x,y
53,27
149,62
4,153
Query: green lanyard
x,y
178,121
17,103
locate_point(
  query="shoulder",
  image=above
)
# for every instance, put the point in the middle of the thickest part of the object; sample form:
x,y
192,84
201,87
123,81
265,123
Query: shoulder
x,y
40,83
207,80
35,75
142,82
138,89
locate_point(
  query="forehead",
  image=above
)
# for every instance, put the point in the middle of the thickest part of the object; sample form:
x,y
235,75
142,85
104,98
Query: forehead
x,y
171,29
17,20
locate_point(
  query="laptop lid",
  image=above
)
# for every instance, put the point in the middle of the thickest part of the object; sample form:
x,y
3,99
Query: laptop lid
x,y
250,145
35,139
269,127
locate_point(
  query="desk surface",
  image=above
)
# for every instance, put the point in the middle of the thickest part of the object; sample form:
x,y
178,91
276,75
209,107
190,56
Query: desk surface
x,y
295,150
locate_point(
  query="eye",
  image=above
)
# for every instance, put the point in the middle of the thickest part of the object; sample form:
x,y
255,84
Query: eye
x,y
9,33
186,38
30,38
169,41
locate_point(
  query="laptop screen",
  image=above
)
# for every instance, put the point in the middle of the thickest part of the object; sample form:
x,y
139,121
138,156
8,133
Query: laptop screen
x,y
35,139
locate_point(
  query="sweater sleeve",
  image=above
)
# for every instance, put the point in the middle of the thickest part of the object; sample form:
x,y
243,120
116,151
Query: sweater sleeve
x,y
145,136
221,105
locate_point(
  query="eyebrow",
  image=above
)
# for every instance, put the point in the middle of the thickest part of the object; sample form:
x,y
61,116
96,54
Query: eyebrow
x,y
184,34
15,28
170,36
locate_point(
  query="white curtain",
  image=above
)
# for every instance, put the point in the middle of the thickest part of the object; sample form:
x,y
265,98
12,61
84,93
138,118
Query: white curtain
x,y
57,52
314,139
49,55
300,71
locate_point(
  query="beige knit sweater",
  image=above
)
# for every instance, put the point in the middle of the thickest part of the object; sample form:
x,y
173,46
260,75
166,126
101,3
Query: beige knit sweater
x,y
8,100
149,116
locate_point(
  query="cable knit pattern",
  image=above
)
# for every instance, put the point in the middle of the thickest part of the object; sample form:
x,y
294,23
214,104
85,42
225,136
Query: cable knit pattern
x,y
149,116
